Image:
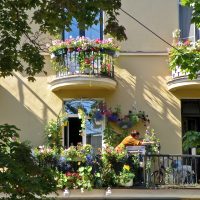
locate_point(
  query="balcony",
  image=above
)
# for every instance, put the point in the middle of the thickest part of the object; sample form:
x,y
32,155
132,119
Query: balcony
x,y
91,67
180,81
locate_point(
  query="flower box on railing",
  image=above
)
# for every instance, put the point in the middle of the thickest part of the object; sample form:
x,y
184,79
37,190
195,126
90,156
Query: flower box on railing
x,y
186,55
83,56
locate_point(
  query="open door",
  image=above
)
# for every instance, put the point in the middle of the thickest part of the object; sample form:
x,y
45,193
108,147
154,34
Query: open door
x,y
72,135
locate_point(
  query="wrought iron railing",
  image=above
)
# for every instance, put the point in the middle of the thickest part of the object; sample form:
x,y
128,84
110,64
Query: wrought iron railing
x,y
181,170
177,73
98,63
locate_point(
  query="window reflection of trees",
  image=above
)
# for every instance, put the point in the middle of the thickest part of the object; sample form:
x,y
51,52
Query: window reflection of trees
x,y
72,106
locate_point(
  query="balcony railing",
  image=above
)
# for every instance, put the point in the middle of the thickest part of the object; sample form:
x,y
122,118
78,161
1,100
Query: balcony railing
x,y
176,73
97,63
172,170
181,80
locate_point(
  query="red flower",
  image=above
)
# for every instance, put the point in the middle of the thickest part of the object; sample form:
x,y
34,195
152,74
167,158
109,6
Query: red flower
x,y
87,61
187,43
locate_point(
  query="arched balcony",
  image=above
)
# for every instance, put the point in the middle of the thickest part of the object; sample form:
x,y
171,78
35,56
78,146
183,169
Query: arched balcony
x,y
180,81
79,68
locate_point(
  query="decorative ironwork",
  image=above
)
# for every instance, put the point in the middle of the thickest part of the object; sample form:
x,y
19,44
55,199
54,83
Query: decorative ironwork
x,y
98,63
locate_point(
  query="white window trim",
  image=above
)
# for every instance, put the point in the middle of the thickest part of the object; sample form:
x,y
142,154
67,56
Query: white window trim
x,y
76,115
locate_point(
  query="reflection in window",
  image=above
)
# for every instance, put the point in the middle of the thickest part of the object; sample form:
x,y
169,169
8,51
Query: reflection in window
x,y
93,131
94,32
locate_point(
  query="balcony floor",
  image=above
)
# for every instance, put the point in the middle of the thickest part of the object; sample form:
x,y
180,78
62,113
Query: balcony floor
x,y
178,194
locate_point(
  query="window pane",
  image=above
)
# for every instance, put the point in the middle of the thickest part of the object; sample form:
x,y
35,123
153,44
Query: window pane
x,y
187,29
74,32
93,32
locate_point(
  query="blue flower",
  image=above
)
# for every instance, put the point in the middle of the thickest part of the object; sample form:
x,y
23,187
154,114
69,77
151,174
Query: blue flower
x,y
89,159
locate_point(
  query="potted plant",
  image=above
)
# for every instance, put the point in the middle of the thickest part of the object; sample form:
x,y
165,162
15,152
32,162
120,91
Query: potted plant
x,y
126,176
191,139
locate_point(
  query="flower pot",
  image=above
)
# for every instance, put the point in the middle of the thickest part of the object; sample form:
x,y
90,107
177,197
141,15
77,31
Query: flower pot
x,y
128,184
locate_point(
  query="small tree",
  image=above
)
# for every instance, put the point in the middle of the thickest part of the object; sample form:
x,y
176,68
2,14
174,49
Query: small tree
x,y
21,175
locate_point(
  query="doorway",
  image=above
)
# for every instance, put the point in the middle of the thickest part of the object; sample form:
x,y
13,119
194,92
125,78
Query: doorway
x,y
190,112
92,133
72,135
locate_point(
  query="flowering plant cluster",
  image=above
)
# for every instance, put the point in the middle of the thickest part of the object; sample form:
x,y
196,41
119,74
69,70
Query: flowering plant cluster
x,y
124,122
150,135
91,170
186,55
83,44
82,55
106,69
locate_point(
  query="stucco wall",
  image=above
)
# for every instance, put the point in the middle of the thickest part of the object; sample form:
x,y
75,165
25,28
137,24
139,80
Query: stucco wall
x,y
161,16
28,105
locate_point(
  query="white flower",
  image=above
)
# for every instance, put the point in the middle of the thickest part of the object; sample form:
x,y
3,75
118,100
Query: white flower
x,y
53,56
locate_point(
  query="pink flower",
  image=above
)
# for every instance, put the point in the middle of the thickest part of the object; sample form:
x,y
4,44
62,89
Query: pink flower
x,y
187,43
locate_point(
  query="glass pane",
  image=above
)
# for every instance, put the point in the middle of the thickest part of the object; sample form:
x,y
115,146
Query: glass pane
x,y
94,31
92,127
187,29
95,141
74,32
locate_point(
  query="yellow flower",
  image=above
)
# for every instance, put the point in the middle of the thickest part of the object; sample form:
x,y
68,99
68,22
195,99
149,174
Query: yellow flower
x,y
127,167
79,163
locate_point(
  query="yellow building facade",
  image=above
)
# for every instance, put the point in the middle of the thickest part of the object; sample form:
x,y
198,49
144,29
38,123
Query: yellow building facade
x,y
142,80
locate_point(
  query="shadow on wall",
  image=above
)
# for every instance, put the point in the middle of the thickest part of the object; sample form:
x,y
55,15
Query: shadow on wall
x,y
15,113
147,91
126,87
19,107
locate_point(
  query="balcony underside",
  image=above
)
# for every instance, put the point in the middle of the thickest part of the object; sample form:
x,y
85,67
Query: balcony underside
x,y
82,82
182,82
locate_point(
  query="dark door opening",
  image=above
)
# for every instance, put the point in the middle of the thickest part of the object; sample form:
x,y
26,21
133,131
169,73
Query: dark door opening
x,y
72,132
190,112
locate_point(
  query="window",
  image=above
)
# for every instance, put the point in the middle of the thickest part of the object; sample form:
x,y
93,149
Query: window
x,y
93,132
188,30
94,32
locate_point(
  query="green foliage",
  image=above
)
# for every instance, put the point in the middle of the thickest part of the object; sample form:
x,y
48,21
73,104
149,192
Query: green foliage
x,y
21,176
53,131
191,139
87,178
187,57
184,56
125,175
80,167
19,43
111,138
77,153
152,136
